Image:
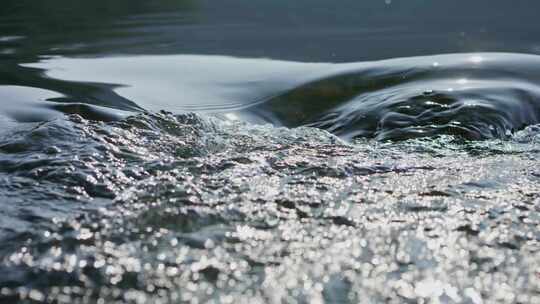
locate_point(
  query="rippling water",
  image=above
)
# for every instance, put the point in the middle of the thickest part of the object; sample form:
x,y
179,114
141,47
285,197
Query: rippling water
x,y
269,152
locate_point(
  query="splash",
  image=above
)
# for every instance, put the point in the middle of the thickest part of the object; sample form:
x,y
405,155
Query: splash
x,y
164,208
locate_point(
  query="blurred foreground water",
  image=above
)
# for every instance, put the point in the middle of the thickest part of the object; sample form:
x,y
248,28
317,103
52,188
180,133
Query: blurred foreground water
x,y
269,152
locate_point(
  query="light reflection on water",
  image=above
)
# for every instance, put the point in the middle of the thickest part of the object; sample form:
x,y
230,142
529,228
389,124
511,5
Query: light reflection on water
x,y
479,95
120,202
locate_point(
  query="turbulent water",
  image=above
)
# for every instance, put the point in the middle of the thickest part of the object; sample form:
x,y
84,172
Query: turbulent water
x,y
476,96
118,206
140,167
157,207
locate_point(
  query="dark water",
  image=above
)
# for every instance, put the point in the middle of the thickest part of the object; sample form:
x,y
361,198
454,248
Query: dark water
x,y
269,151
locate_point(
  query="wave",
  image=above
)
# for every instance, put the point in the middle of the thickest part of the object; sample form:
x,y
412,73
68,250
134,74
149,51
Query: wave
x,y
476,96
106,209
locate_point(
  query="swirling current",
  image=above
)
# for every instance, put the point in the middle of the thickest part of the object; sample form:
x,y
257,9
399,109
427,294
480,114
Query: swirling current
x,y
409,180
474,96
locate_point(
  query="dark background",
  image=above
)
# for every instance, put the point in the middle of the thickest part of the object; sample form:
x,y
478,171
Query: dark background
x,y
304,30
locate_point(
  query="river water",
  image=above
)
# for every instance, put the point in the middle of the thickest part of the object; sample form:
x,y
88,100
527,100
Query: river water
x,y
269,151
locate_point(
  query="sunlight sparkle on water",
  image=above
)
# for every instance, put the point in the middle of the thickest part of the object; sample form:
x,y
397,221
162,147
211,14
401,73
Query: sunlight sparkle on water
x,y
476,59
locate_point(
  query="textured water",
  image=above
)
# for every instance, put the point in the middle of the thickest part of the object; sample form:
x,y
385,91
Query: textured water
x,y
163,208
476,95
269,152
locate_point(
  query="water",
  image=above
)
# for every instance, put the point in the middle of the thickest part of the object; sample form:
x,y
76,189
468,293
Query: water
x,y
272,152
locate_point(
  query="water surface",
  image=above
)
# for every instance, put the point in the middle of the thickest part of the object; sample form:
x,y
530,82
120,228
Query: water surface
x,y
269,151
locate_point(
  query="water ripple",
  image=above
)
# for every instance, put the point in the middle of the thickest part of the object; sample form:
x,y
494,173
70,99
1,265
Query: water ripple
x,y
476,96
